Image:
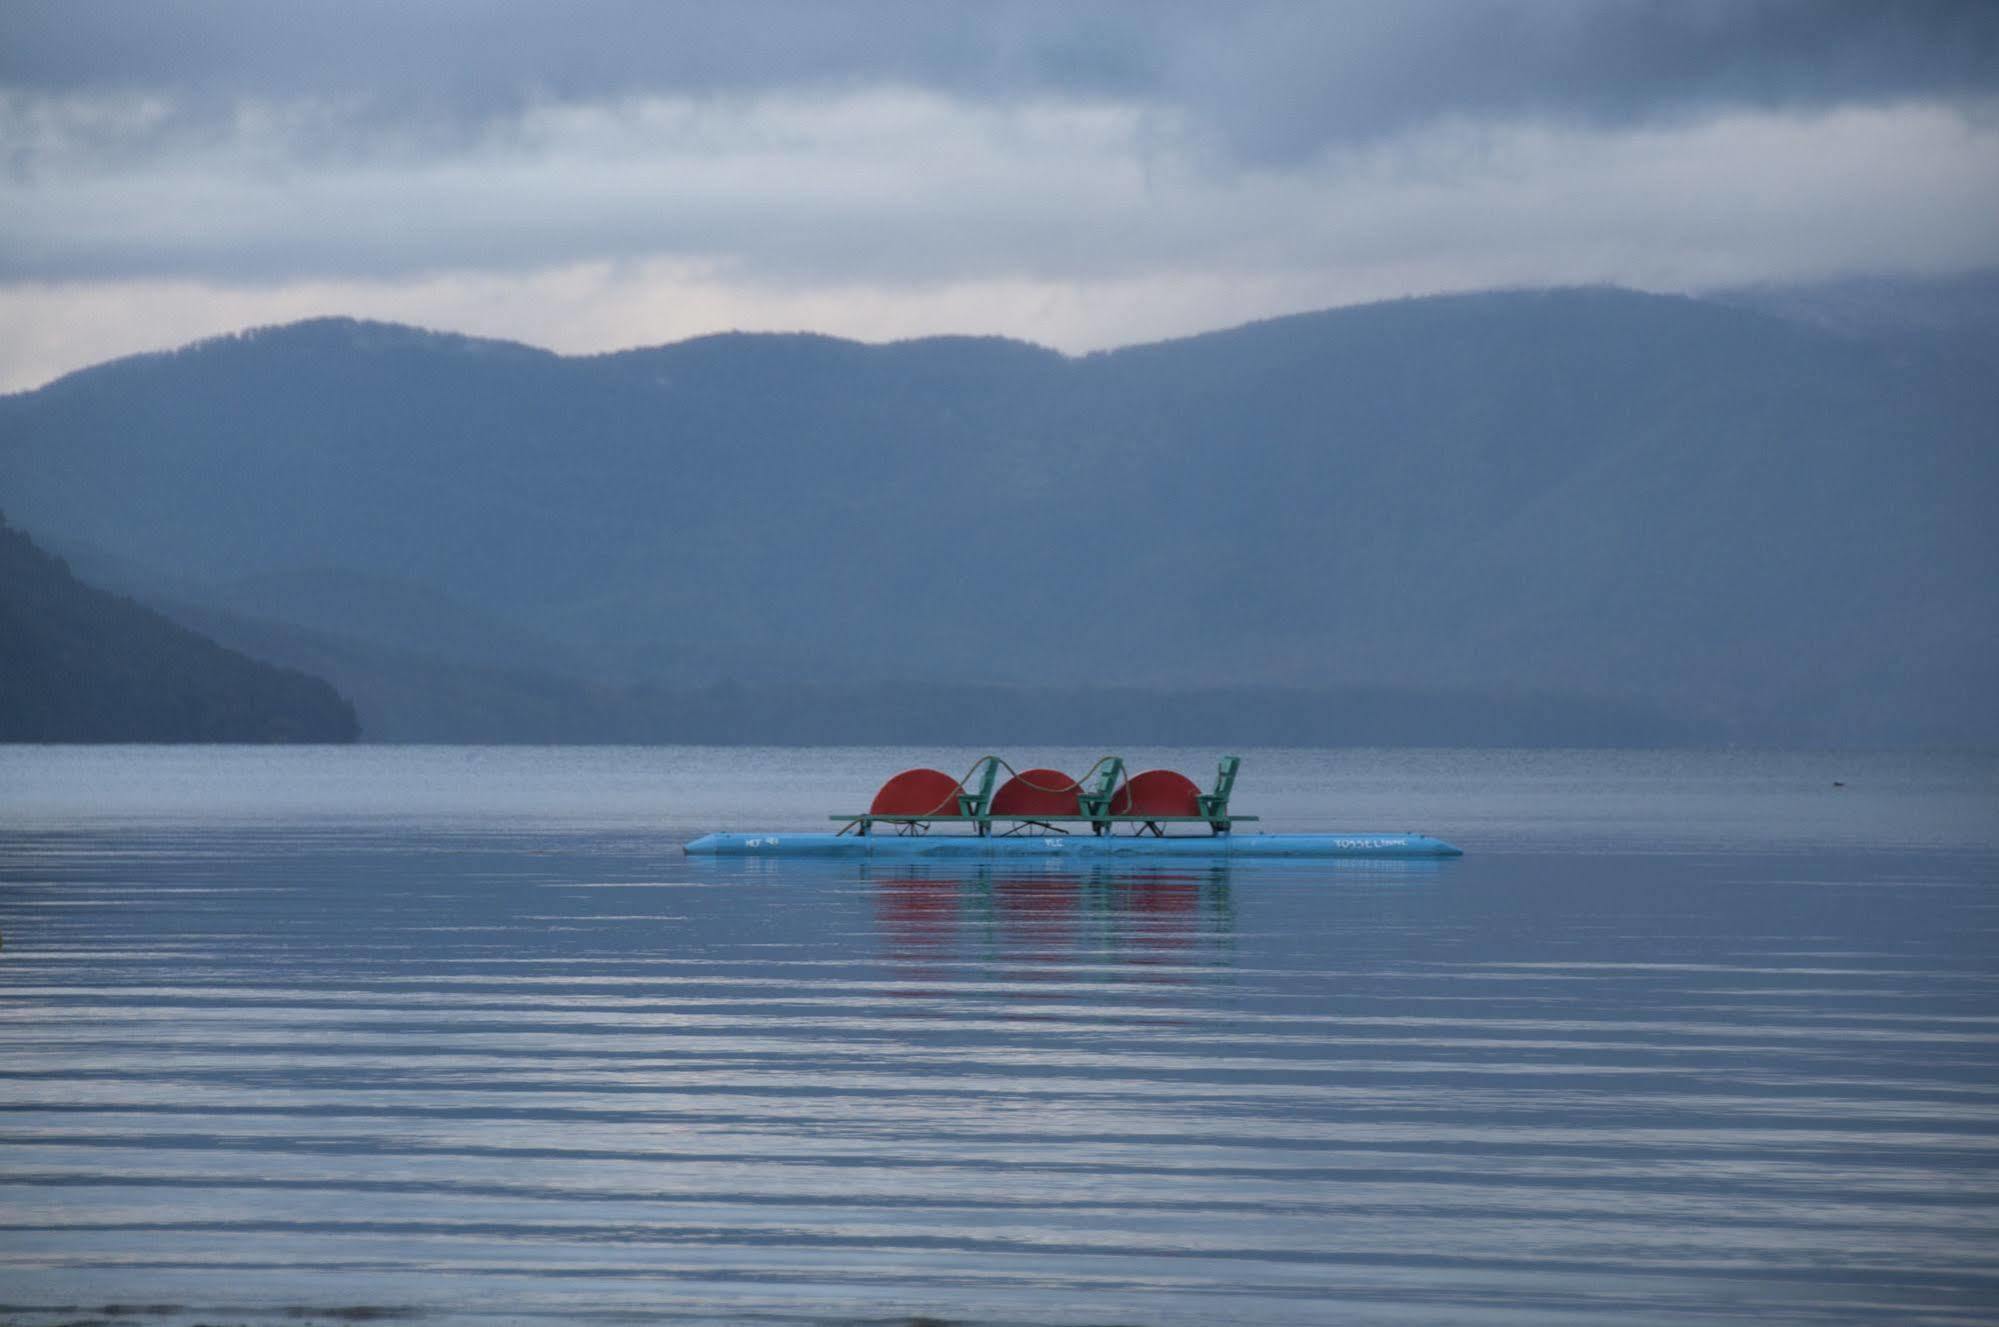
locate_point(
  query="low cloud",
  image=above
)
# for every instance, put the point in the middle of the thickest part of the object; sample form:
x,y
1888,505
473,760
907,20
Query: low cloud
x,y
908,188
1271,79
1082,176
1078,250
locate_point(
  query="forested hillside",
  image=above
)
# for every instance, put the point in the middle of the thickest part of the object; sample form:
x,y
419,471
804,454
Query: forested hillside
x,y
1746,526
80,665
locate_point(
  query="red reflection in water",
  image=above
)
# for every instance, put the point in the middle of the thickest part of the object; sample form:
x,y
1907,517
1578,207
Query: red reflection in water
x,y
1146,917
1164,912
917,913
1036,916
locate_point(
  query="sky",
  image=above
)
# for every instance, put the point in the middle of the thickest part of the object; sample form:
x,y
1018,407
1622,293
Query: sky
x,y
591,176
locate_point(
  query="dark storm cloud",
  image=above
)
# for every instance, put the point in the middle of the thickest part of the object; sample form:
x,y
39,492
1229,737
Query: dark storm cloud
x,y
1271,81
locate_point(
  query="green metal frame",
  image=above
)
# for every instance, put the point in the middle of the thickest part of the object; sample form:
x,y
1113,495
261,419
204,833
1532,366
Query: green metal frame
x,y
1094,803
1215,805
977,806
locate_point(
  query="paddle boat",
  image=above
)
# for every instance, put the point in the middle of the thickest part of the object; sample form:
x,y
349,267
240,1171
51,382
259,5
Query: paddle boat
x,y
1045,813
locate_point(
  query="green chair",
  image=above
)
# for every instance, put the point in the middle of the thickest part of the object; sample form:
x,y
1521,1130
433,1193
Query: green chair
x,y
1094,802
1215,805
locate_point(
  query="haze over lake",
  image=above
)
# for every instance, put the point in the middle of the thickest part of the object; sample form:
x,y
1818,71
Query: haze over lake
x,y
458,1035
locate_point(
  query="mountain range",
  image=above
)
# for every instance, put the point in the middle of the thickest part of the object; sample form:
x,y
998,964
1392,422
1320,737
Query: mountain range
x,y
1568,516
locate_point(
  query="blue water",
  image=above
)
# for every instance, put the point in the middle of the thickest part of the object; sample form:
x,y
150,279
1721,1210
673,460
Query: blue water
x,y
459,1036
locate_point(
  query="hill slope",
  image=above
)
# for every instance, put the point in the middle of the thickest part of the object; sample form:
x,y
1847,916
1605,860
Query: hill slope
x,y
1769,529
80,665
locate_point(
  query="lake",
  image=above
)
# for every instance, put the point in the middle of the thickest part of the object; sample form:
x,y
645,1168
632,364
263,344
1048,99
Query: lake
x,y
458,1035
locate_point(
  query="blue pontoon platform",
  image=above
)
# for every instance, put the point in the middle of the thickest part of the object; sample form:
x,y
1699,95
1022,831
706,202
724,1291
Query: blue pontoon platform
x,y
1073,847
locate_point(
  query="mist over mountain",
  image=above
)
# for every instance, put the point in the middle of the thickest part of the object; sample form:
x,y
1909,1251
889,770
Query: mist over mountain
x,y
1662,518
1955,316
80,665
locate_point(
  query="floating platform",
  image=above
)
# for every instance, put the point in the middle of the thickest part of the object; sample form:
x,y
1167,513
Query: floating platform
x,y
1142,817
1075,847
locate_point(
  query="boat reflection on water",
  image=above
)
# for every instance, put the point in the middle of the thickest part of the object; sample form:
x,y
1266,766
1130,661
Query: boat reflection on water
x,y
1056,920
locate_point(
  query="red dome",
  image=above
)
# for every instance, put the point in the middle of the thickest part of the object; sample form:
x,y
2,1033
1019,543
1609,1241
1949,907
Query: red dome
x,y
917,792
1036,792
1158,792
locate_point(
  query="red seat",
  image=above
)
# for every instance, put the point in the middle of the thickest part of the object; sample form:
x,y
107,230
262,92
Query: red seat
x,y
1036,792
1157,792
928,793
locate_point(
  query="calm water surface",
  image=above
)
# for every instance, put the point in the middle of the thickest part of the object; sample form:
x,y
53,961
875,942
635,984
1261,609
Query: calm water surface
x,y
459,1036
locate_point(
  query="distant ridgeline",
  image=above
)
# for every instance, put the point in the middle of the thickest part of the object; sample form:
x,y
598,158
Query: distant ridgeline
x,y
80,665
1574,517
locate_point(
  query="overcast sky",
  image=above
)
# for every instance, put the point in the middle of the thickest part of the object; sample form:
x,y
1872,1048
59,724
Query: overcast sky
x,y
591,176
